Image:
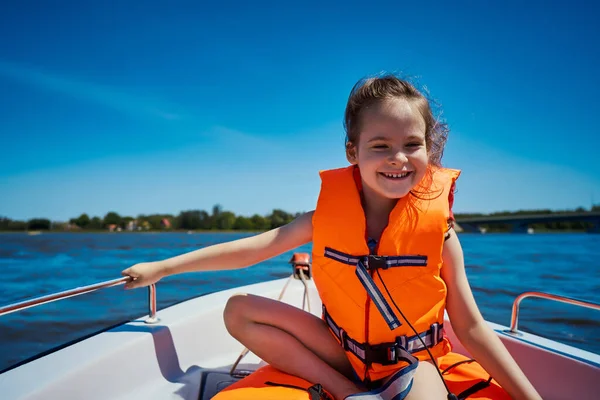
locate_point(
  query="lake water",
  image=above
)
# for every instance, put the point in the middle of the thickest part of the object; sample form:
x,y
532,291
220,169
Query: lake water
x,y
499,267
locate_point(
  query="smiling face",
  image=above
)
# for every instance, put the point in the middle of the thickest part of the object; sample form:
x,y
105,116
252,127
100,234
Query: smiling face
x,y
391,151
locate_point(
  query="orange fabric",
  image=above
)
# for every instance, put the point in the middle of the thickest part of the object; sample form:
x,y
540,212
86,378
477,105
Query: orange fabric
x,y
416,227
464,376
255,386
358,182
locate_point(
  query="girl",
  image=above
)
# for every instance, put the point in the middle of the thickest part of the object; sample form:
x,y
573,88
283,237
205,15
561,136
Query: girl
x,y
381,236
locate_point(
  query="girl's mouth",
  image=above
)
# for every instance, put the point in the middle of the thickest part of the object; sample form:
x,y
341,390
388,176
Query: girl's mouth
x,y
396,176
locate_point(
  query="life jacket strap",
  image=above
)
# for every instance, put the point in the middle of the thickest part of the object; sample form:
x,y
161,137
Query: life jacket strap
x,y
365,264
373,262
387,353
375,294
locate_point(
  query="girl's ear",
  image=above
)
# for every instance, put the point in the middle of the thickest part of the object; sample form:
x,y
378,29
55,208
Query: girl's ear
x,y
351,153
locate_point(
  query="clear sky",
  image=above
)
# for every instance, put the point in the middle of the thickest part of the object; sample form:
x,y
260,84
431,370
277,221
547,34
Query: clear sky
x,y
151,107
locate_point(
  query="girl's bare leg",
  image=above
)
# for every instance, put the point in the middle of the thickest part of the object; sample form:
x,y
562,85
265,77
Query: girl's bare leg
x,y
427,384
291,340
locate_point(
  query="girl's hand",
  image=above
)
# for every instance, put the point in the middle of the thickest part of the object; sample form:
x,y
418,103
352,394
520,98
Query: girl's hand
x,y
143,274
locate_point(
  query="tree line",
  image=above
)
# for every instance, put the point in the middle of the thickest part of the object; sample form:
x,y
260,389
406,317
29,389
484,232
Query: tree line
x,y
218,219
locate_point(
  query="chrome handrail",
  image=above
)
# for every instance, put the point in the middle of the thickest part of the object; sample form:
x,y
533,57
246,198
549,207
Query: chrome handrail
x,y
514,320
152,319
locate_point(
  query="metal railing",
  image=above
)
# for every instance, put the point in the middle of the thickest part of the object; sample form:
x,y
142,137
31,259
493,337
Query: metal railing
x,y
514,321
152,319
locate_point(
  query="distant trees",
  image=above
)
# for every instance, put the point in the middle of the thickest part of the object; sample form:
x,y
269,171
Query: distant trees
x,y
112,218
7,224
219,219
38,224
83,221
194,219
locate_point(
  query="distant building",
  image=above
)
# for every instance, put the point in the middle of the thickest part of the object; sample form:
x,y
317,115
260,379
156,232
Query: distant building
x,y
112,227
165,223
132,225
71,227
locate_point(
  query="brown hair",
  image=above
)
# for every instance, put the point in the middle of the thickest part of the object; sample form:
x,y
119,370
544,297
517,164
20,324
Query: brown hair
x,y
370,91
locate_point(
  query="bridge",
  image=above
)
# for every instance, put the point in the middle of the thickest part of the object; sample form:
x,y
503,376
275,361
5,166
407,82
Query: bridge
x,y
521,223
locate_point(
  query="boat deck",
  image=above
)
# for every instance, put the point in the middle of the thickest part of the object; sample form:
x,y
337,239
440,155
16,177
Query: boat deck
x,y
188,355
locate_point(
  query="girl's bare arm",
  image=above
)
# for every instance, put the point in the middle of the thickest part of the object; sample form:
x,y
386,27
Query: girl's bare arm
x,y
472,330
230,255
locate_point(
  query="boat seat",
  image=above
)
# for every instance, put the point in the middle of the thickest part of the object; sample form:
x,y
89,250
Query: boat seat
x,y
213,382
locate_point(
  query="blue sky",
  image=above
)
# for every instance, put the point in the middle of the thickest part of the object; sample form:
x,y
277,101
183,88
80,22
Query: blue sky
x,y
169,106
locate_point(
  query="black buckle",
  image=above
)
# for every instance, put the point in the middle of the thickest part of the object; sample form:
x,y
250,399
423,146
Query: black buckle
x,y
384,354
387,353
376,262
317,392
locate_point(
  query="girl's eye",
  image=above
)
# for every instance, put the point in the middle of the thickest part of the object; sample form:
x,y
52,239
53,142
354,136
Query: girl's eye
x,y
414,144
380,146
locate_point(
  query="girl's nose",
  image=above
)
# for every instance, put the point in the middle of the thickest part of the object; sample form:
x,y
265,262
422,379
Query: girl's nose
x,y
398,157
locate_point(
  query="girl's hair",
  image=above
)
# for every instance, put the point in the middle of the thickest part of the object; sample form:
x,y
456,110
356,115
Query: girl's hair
x,y
370,91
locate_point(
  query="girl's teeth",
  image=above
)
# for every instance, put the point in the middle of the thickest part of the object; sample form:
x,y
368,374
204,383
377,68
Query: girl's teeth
x,y
396,175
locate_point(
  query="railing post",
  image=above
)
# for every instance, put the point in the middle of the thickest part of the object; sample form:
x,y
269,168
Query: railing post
x,y
152,318
514,319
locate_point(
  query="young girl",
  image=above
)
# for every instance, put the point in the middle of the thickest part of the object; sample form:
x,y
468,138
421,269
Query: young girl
x,y
386,262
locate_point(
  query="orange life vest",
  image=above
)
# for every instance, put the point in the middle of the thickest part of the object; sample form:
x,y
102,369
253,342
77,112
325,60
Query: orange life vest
x,y
350,280
268,383
465,378
468,380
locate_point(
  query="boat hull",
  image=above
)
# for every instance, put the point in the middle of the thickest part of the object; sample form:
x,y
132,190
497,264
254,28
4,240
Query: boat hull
x,y
189,353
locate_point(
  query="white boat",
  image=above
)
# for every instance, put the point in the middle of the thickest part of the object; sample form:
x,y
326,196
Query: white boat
x,y
185,352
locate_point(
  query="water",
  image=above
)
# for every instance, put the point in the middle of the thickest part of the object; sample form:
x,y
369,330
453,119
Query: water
x,y
499,267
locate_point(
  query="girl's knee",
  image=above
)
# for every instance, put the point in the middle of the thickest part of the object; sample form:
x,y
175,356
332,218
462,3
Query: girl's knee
x,y
234,314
